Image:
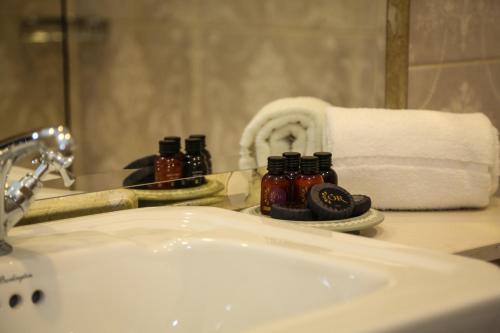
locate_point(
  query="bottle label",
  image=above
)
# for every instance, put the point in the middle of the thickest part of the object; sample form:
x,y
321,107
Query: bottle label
x,y
274,195
277,195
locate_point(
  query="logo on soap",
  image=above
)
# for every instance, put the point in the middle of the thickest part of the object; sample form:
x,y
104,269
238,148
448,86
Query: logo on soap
x,y
332,198
15,278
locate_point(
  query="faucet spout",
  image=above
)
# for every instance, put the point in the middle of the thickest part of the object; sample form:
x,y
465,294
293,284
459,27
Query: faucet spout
x,y
54,146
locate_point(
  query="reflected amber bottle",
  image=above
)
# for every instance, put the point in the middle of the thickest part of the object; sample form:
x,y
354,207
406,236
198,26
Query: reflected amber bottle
x,y
194,164
309,176
275,185
204,152
325,167
168,167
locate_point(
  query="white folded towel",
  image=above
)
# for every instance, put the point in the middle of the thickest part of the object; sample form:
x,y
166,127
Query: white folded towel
x,y
414,159
288,124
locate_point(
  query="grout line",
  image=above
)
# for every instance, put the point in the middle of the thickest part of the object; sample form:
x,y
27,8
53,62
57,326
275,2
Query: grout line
x,y
65,64
457,63
396,54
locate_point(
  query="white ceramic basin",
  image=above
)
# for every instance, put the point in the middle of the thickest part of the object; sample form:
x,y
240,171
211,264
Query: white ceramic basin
x,y
211,270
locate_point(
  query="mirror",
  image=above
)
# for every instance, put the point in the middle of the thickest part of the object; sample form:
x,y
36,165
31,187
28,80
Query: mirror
x,y
122,75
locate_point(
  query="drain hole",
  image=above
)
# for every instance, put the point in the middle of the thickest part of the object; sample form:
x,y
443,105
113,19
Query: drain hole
x,y
14,301
37,296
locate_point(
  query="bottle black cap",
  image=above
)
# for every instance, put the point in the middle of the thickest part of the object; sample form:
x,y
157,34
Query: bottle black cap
x,y
309,165
325,160
201,137
168,147
276,164
193,145
173,138
292,162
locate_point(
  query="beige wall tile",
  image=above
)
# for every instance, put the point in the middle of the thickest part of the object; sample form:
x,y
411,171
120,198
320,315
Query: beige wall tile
x,y
172,11
16,9
134,89
354,15
454,30
362,15
31,89
238,13
463,88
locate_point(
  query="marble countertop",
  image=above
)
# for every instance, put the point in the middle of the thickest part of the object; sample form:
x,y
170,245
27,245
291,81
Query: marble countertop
x,y
473,233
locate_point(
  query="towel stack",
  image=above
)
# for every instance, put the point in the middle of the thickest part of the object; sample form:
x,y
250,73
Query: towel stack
x,y
403,159
414,159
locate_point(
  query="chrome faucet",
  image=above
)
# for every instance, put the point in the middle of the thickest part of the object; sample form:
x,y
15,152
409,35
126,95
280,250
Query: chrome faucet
x,y
53,147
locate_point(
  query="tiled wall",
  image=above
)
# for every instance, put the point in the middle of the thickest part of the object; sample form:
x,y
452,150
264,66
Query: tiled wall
x,y
31,79
455,56
175,67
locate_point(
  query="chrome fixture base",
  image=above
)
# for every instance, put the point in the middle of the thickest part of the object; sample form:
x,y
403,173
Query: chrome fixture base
x,y
5,248
53,147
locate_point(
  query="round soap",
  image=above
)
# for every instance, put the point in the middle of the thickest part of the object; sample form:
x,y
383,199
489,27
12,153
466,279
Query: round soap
x,y
362,204
330,202
284,212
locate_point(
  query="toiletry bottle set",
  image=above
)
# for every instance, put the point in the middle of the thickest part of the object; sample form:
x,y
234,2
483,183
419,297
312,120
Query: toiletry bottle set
x,y
172,164
290,177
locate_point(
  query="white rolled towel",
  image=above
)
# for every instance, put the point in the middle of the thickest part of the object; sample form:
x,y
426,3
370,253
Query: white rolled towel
x,y
414,159
287,124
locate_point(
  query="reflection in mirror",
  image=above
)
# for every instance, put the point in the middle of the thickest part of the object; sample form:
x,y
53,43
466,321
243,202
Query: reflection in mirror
x,y
99,193
174,68
236,188
170,68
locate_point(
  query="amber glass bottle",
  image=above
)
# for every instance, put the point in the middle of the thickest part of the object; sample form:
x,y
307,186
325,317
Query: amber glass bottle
x,y
180,154
309,176
204,152
292,169
194,166
167,165
275,185
325,167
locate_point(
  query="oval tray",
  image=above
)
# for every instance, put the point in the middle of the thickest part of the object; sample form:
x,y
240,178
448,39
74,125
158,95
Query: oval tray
x,y
367,220
209,188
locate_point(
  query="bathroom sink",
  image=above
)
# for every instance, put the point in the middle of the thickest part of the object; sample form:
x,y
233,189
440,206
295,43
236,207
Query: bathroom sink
x,y
201,269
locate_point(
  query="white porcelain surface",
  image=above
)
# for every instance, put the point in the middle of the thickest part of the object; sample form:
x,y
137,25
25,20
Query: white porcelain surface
x,y
202,269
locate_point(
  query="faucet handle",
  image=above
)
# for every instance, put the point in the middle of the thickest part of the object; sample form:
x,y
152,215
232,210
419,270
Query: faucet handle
x,y
61,163
67,177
